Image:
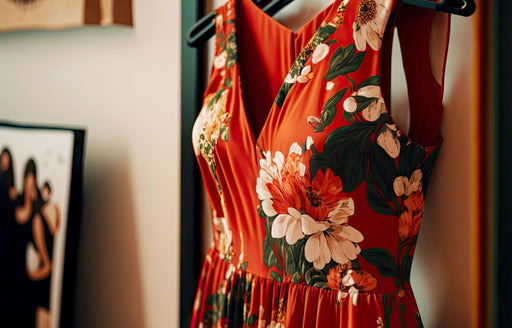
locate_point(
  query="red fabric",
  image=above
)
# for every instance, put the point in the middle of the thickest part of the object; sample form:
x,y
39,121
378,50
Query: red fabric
x,y
316,194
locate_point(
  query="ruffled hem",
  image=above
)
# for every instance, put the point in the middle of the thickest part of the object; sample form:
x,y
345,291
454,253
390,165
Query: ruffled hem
x,y
231,297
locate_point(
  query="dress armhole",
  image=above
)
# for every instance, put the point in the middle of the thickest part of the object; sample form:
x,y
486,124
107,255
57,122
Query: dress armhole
x,y
425,93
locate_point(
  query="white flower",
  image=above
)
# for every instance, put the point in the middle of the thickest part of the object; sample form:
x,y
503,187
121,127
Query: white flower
x,y
329,85
305,74
261,314
225,235
331,239
313,121
350,104
374,109
320,53
219,19
288,225
230,272
290,79
295,148
341,212
370,23
309,142
220,60
349,282
405,186
275,324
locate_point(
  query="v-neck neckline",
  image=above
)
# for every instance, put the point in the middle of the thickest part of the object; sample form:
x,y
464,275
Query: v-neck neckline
x,y
326,13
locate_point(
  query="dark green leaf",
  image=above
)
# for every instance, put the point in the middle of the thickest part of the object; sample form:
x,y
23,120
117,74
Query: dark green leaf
x,y
344,61
232,43
349,51
355,264
269,257
363,102
326,118
383,171
261,213
402,312
323,33
406,269
319,162
331,41
348,148
228,82
289,261
283,92
372,80
276,276
222,40
376,200
411,156
252,319
334,100
314,276
329,110
212,299
321,284
296,278
427,168
352,65
335,62
382,259
319,127
230,61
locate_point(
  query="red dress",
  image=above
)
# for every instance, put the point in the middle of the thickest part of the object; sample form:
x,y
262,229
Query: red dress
x,y
316,194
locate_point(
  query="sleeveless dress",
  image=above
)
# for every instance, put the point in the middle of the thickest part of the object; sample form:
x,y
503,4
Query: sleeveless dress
x,y
316,194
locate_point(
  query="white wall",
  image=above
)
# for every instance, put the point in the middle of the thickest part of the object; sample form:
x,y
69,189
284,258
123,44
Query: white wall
x,y
123,85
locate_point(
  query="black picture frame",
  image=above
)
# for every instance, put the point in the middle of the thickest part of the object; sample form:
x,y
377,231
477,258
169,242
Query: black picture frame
x,y
65,246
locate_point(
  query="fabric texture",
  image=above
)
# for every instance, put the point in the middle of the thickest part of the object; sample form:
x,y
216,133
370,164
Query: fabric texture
x,y
316,194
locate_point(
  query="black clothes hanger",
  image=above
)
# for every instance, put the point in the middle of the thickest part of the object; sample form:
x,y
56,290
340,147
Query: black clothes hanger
x,y
457,7
201,31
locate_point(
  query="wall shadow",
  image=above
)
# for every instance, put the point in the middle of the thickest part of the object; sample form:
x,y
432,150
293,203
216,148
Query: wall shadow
x,y
109,287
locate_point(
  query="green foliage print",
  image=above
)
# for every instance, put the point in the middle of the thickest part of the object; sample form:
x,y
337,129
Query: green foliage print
x,y
319,37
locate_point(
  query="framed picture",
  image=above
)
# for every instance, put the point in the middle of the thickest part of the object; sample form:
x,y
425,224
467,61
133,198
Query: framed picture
x,y
58,14
40,210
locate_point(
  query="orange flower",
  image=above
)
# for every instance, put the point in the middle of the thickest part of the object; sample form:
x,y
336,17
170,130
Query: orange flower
x,y
409,221
364,281
334,278
285,194
321,194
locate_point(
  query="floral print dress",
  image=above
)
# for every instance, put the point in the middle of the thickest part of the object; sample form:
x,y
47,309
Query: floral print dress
x,y
316,216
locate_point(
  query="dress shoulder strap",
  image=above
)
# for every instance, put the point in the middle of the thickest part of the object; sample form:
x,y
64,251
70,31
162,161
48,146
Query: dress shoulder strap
x,y
422,55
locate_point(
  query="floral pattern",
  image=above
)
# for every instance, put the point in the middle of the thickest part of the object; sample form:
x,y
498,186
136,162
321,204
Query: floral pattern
x,y
318,194
300,205
370,23
349,281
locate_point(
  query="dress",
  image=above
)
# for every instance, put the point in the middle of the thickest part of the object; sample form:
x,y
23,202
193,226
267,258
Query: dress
x,y
316,194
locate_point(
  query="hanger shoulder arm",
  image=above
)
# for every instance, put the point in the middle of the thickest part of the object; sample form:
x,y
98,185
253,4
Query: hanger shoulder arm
x,y
201,31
